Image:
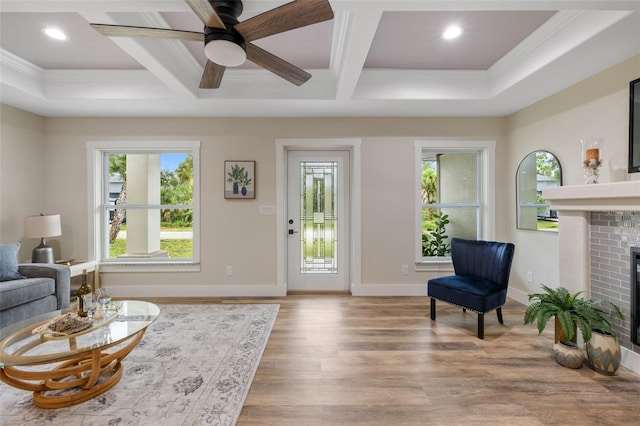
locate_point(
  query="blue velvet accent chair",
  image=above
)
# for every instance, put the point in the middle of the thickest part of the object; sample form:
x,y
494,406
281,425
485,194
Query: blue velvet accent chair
x,y
481,278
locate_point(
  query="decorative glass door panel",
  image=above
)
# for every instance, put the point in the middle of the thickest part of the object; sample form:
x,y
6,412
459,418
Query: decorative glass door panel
x,y
318,217
318,220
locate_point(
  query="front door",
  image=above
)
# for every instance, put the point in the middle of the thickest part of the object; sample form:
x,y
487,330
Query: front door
x,y
318,220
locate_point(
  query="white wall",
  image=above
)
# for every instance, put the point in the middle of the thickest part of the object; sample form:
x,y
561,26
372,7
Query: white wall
x,y
598,106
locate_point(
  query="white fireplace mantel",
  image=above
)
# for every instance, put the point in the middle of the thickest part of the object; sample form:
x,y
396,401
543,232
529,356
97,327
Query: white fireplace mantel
x,y
615,196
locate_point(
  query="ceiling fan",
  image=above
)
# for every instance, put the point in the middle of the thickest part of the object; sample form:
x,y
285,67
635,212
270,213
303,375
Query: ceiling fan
x,y
227,42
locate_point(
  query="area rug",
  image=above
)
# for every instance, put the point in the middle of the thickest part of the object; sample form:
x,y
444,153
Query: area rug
x,y
194,366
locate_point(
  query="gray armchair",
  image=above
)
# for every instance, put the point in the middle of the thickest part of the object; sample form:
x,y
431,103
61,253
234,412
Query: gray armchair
x,y
44,288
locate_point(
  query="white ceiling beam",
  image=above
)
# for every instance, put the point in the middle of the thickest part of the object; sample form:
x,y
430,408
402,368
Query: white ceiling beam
x,y
353,37
561,34
169,60
585,60
105,85
21,75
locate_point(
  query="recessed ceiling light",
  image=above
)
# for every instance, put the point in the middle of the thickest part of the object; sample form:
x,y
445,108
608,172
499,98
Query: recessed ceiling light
x,y
54,33
452,31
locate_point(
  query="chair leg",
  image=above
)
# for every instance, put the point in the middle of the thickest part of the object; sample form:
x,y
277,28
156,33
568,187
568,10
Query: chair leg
x,y
433,309
499,312
480,326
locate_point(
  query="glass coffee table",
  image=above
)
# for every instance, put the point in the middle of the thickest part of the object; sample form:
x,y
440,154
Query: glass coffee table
x,y
66,369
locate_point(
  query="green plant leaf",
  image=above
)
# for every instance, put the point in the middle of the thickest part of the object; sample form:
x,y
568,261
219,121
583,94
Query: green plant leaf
x,y
567,323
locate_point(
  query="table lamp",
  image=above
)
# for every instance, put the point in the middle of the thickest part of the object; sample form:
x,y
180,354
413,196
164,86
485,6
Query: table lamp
x,y
42,226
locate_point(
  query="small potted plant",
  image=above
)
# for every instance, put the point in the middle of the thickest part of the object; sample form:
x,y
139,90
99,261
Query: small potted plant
x,y
603,349
573,312
244,181
235,176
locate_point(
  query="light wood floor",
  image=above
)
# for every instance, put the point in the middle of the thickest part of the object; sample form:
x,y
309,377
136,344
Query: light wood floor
x,y
342,360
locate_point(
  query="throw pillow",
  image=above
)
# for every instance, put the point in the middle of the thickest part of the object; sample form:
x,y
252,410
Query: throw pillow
x,y
9,262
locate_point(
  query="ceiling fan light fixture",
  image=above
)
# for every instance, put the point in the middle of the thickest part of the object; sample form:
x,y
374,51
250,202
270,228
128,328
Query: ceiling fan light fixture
x,y
225,53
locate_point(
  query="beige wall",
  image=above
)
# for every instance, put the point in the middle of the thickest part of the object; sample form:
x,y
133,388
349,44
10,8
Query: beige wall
x,y
234,233
598,106
23,177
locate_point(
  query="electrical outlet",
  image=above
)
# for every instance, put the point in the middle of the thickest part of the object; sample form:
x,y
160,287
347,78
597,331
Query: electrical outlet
x,y
229,271
529,276
404,270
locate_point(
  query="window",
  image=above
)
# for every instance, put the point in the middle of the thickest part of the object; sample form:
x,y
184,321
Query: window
x,y
145,202
537,171
455,195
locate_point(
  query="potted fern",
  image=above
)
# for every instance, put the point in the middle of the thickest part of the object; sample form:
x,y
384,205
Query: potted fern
x,y
573,312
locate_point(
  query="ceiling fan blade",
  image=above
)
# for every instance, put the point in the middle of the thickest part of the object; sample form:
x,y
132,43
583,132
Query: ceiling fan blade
x,y
127,31
277,65
212,76
298,13
206,13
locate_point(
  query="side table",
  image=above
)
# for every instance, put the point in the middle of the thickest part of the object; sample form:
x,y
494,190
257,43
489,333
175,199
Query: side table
x,y
77,266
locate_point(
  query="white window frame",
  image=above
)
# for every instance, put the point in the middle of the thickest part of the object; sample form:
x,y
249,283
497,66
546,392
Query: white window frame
x,y
96,196
486,175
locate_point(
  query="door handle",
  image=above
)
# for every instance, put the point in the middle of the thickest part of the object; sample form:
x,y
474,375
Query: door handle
x,y
291,232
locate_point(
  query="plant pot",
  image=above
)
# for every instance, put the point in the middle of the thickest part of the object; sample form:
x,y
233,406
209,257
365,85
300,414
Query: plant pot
x,y
568,354
603,353
561,336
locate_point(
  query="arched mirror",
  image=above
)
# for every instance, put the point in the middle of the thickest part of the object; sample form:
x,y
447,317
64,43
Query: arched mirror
x,y
537,171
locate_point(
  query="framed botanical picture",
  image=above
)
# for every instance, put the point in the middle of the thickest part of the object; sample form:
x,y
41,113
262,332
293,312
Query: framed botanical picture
x,y
240,179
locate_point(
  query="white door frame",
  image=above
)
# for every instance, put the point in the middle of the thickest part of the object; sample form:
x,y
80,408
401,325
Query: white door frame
x,y
282,146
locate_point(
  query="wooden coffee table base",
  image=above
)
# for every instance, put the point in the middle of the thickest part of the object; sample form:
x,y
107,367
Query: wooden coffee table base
x,y
76,379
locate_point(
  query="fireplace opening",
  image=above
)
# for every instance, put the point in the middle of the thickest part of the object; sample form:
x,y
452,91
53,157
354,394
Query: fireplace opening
x,y
635,295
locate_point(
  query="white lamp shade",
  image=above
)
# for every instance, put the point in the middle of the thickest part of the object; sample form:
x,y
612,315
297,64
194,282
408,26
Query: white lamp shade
x,y
225,53
42,226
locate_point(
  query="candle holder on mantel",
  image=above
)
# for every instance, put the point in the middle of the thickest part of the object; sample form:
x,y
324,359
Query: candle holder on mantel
x,y
591,161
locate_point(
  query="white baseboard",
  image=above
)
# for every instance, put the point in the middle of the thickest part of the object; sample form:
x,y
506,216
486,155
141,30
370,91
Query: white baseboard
x,y
518,296
631,360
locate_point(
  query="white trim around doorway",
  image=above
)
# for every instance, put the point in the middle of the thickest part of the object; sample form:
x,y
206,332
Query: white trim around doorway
x,y
282,146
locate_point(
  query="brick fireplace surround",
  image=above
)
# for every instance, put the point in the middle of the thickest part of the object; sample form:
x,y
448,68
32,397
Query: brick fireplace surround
x,y
598,225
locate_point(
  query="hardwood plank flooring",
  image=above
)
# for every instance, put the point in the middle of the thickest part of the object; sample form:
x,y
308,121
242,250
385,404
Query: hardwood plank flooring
x,y
343,360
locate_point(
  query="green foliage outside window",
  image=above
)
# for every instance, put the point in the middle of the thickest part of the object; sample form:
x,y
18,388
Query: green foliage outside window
x,y
434,238
176,188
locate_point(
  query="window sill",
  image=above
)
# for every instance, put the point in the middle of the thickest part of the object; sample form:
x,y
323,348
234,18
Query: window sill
x,y
438,264
149,267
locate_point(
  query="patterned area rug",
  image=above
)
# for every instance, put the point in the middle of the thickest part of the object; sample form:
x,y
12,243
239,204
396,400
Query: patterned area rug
x,y
194,366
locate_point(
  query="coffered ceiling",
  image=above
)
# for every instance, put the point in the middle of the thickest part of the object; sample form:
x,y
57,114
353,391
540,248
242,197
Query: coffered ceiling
x,y
375,58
